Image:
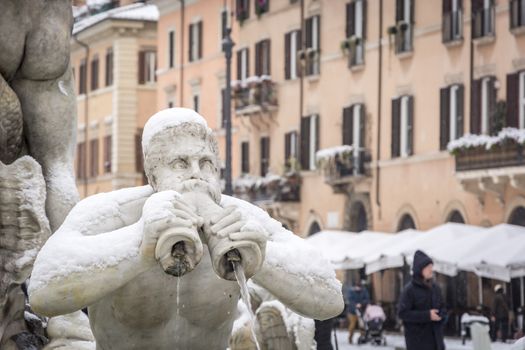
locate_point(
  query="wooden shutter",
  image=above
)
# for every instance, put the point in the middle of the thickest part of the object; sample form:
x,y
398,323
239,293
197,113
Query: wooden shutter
x,y
94,73
258,70
317,134
348,126
364,19
287,147
171,47
190,46
446,6
247,62
245,157
477,5
93,157
139,163
444,117
305,143
396,122
142,67
412,11
513,91
362,126
308,28
239,65
268,57
350,19
287,55
109,67
410,126
265,155
460,108
475,107
318,32
400,12
492,93
107,154
199,28
299,47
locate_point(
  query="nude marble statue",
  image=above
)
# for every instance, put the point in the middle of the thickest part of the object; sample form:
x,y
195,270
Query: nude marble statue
x,y
110,253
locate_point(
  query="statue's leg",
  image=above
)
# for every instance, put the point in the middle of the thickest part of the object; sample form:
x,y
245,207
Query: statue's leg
x,y
11,130
49,110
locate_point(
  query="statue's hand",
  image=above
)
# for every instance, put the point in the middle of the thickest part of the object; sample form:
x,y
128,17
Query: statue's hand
x,y
231,224
161,211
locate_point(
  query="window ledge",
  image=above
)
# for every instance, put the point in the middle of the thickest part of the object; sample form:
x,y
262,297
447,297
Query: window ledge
x,y
485,40
518,30
357,68
313,78
405,55
454,42
148,86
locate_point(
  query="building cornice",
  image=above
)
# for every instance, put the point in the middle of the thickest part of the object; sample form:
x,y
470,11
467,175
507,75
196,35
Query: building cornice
x,y
167,6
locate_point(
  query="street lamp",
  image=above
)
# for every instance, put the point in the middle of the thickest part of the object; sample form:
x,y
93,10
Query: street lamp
x,y
227,45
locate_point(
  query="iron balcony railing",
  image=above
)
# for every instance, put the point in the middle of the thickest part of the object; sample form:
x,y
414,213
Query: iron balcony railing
x,y
504,155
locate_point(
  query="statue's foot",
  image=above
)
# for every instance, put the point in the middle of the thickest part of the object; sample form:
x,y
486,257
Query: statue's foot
x,y
273,329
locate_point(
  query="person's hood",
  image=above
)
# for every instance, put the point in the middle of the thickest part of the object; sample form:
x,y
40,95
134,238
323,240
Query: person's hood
x,y
421,260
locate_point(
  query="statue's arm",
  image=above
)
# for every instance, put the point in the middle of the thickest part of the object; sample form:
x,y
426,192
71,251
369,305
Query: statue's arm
x,y
293,271
93,253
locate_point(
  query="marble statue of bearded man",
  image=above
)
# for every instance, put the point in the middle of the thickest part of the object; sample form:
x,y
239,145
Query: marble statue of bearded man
x,y
106,254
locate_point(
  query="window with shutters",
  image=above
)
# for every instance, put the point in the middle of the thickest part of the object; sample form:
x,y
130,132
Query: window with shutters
x,y
402,126
195,38
242,10
107,154
94,73
483,106
93,158
81,160
109,67
262,6
309,141
292,46
517,13
290,150
171,48
147,67
82,78
262,58
312,54
265,155
243,67
354,126
404,29
245,157
451,114
483,18
356,31
452,25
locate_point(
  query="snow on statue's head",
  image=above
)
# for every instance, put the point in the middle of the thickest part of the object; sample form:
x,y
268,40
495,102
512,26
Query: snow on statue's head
x,y
181,153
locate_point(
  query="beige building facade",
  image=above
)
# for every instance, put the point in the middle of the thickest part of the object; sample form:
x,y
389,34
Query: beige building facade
x,y
113,56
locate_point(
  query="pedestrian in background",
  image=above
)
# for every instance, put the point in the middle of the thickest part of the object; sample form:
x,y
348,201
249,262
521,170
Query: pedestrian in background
x,y
358,299
500,314
421,307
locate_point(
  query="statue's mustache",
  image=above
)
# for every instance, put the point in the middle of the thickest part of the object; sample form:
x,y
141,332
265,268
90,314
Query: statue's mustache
x,y
199,185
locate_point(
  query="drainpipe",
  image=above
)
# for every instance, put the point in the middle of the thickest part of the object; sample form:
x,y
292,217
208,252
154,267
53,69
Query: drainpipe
x,y
379,100
181,82
471,67
86,114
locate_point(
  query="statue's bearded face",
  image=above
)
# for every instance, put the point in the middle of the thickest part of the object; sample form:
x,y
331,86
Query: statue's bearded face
x,y
183,162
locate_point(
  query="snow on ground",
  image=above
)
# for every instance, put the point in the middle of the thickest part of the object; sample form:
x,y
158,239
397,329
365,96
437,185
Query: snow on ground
x,y
396,341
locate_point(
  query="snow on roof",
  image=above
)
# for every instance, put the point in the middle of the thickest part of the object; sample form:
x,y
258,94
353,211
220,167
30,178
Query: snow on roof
x,y
168,118
136,12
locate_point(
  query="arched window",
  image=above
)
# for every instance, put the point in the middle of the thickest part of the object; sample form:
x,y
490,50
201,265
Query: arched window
x,y
406,223
314,228
455,216
517,217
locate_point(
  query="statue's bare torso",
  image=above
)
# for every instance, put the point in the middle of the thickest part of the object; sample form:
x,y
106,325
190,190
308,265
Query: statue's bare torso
x,y
143,314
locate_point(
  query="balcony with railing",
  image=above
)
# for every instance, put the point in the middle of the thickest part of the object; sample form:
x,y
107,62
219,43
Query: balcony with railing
x,y
483,24
255,95
343,166
312,61
269,189
517,15
489,163
453,26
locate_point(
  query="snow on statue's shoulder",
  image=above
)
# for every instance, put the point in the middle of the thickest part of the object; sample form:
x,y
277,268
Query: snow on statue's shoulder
x,y
169,118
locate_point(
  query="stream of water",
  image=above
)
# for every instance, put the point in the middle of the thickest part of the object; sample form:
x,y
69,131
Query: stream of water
x,y
238,270
178,293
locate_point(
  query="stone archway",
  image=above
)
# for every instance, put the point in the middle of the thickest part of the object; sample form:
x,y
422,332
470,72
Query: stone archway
x,y
358,213
314,228
455,216
517,216
406,222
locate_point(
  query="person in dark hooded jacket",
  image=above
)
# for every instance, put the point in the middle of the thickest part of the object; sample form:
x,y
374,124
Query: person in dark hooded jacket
x,y
421,308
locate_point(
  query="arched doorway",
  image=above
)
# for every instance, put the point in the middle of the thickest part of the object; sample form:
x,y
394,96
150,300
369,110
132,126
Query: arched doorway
x,y
406,223
314,228
358,217
455,216
517,217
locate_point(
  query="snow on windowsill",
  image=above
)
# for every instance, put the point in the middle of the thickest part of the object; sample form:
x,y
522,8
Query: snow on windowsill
x,y
328,154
